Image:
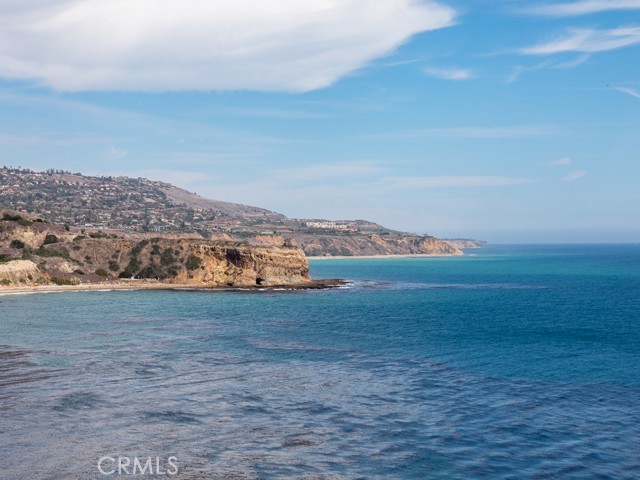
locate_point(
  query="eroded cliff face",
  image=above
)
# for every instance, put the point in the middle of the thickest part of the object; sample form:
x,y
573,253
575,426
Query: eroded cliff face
x,y
353,245
35,252
244,265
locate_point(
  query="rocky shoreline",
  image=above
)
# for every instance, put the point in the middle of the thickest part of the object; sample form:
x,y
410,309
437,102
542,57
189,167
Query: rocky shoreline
x,y
133,285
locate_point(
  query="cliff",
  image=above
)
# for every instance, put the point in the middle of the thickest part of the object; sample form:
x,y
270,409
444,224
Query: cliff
x,y
366,245
36,252
465,242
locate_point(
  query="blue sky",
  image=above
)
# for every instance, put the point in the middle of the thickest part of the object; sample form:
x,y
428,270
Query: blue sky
x,y
504,120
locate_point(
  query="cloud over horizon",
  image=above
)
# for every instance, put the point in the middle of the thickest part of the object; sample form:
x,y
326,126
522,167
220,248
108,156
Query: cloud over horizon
x,y
145,45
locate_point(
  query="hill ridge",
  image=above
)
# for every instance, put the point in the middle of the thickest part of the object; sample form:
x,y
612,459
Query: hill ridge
x,y
146,206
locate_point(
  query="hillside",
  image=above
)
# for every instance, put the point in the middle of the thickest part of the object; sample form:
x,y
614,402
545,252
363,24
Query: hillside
x,y
34,251
147,207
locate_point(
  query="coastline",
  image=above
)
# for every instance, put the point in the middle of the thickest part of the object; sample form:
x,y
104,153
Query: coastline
x,y
319,284
400,255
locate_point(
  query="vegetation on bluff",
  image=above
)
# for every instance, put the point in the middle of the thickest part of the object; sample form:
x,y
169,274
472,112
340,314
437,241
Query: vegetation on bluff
x,y
38,252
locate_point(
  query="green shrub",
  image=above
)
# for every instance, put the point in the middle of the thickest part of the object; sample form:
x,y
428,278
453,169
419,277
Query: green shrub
x,y
153,270
193,262
113,266
24,223
167,257
131,269
11,218
135,251
17,244
172,272
45,252
102,272
61,281
5,282
49,239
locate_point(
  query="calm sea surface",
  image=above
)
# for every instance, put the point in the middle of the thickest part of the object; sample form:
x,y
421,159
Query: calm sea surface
x,y
513,362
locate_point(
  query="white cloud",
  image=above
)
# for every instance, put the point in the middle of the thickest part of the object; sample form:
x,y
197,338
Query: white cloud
x,y
584,7
463,181
587,41
151,45
628,91
562,162
449,73
573,176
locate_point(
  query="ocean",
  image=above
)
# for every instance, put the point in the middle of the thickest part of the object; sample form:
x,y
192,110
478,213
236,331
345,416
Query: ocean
x,y
513,362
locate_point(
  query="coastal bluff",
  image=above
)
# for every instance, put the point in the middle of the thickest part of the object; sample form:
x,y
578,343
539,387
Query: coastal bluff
x,y
143,208
36,252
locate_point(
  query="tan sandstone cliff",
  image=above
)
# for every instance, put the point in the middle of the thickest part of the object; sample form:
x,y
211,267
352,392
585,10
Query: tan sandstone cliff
x,y
35,252
366,245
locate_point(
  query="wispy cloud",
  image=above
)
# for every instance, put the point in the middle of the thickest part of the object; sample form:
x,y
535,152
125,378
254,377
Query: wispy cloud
x,y
513,131
567,64
449,73
172,45
587,41
573,176
568,9
516,73
561,162
456,181
628,91
519,70
115,153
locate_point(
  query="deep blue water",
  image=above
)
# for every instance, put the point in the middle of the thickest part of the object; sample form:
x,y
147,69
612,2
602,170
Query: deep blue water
x,y
512,362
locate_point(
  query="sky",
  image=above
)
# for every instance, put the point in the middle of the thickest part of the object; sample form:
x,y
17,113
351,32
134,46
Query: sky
x,y
503,120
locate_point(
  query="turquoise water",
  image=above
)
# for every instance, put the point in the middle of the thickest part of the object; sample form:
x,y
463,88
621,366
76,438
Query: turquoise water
x,y
512,362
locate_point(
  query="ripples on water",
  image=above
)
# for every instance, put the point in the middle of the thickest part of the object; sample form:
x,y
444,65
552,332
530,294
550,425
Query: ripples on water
x,y
273,386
